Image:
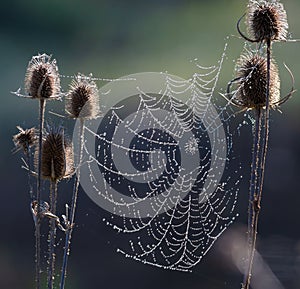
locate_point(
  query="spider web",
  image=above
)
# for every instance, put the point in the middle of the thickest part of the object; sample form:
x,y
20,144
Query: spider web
x,y
160,162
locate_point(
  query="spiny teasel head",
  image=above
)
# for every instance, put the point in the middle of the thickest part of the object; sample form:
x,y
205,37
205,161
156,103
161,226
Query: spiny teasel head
x,y
252,87
42,78
57,156
82,99
25,139
267,20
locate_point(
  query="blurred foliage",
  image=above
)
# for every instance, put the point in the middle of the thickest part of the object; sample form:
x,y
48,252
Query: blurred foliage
x,y
116,38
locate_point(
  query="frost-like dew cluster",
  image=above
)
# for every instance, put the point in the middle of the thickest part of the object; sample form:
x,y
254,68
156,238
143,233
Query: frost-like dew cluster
x,y
158,162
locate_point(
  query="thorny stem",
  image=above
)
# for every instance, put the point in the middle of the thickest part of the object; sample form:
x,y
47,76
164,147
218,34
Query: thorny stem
x,y
254,166
256,202
52,234
254,181
38,196
73,208
266,124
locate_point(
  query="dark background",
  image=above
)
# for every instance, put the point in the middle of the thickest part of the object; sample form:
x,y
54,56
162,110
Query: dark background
x,y
116,38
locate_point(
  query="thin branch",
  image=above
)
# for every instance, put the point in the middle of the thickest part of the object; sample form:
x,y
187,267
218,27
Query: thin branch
x,y
254,180
28,163
267,127
52,235
38,195
73,209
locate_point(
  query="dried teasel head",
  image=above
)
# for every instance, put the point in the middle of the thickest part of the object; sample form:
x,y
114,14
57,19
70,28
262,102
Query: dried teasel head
x,y
42,78
252,82
267,20
25,139
82,99
57,156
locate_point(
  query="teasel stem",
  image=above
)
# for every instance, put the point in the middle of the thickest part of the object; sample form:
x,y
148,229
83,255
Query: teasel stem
x,y
254,181
52,234
38,193
266,123
261,154
29,174
73,208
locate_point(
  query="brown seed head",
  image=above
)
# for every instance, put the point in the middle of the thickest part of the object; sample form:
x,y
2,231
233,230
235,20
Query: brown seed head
x,y
57,156
82,100
267,20
25,139
42,79
251,92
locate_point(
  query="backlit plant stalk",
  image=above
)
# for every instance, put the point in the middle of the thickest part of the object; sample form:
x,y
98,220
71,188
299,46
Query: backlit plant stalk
x,y
82,102
252,82
42,82
266,22
57,164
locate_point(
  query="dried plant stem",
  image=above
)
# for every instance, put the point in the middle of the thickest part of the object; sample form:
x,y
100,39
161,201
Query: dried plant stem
x,y
266,124
28,162
38,195
254,180
257,174
73,208
52,235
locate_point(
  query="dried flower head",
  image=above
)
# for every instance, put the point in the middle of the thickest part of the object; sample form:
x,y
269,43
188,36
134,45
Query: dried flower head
x,y
267,20
25,139
252,78
42,79
57,156
82,100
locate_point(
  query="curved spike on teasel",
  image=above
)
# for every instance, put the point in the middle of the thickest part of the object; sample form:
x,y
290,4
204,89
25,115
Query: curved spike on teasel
x,y
266,21
241,33
292,90
42,78
82,99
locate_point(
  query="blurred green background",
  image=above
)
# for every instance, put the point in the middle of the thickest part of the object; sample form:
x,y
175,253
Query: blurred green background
x,y
116,38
